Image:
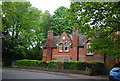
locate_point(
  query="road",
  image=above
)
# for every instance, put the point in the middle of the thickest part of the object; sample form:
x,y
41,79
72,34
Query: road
x,y
10,73
0,73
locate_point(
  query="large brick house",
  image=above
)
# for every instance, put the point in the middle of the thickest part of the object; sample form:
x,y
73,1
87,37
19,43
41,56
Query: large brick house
x,y
70,47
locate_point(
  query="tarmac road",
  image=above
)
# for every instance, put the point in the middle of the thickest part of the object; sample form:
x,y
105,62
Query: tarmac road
x,y
10,74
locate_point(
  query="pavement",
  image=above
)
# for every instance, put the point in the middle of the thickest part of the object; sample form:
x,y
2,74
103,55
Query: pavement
x,y
77,76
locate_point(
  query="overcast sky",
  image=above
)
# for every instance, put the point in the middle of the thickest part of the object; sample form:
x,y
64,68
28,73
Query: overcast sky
x,y
50,5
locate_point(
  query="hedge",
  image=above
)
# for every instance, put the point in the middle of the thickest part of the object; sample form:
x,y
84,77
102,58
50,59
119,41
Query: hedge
x,y
27,62
96,67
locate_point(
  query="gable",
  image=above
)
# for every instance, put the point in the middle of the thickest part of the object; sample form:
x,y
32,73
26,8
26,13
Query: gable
x,y
63,38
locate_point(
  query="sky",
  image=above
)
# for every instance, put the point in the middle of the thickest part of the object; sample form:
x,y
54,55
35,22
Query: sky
x,y
50,5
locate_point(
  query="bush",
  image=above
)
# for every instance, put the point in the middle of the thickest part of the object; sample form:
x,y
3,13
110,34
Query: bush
x,y
27,62
74,65
83,65
7,62
117,64
95,67
55,64
66,65
43,64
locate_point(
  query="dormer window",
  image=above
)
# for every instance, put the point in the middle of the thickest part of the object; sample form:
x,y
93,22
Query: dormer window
x,y
66,47
60,47
89,46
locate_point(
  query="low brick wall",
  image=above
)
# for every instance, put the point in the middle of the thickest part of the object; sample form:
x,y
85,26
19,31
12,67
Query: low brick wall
x,y
86,72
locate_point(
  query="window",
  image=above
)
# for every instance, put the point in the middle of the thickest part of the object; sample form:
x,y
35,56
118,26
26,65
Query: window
x,y
89,46
66,47
116,70
60,47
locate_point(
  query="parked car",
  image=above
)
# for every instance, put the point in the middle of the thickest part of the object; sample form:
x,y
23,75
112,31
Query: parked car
x,y
114,74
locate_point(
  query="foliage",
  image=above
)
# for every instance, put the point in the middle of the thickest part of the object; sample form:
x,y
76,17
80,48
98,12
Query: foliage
x,y
27,62
96,67
23,29
96,70
7,62
45,22
100,21
55,64
83,65
59,22
43,64
74,65
66,65
117,64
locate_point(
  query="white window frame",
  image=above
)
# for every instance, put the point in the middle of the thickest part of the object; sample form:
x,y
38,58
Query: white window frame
x,y
66,47
89,53
60,49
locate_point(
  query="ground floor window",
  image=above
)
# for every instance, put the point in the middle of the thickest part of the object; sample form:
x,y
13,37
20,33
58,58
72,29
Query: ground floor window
x,y
89,46
60,47
66,47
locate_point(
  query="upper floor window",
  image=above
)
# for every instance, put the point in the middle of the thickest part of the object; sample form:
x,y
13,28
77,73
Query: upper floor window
x,y
66,47
89,46
60,47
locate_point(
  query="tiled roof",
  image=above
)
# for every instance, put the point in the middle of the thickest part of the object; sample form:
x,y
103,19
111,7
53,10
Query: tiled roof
x,y
55,40
81,39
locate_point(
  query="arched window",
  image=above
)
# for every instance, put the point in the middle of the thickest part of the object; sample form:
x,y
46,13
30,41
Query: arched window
x,y
60,47
89,46
66,47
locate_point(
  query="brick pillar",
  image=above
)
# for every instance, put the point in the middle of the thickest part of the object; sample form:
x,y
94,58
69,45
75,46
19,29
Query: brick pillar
x,y
75,43
49,45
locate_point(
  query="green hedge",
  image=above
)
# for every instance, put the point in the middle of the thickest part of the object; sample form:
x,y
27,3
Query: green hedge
x,y
96,67
27,62
55,64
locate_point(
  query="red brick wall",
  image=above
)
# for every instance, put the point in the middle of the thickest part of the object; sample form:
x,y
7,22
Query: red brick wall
x,y
44,58
61,56
75,43
89,58
74,53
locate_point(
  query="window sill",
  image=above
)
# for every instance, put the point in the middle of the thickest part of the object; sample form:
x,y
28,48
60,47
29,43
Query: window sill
x,y
89,55
66,51
60,51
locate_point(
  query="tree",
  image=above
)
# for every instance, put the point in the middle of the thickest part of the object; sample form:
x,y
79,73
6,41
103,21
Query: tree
x,y
100,20
22,30
12,27
46,22
59,21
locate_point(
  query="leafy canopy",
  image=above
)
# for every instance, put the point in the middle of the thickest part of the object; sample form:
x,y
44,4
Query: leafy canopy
x,y
99,20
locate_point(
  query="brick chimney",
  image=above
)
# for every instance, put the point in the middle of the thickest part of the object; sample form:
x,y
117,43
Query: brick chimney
x,y
75,42
75,36
49,45
50,39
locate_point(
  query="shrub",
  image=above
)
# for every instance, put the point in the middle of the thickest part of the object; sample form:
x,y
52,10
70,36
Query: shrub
x,y
97,68
7,62
43,64
55,64
59,65
66,65
27,62
117,64
83,65
74,65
